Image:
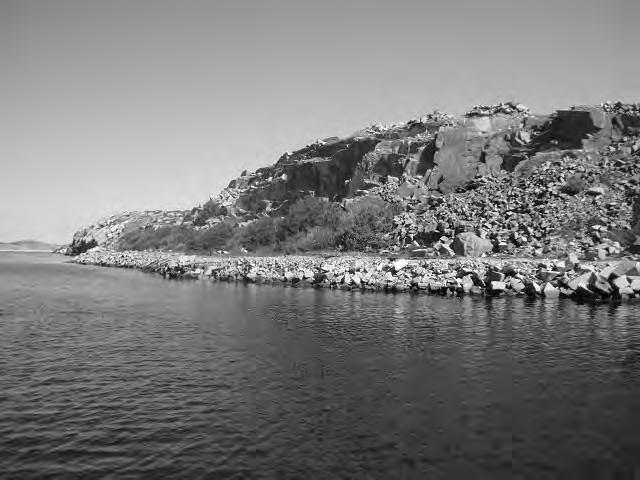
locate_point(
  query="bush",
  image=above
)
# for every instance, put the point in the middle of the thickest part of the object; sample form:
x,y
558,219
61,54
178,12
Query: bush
x,y
207,211
309,224
308,213
259,233
163,238
216,237
574,185
365,225
316,238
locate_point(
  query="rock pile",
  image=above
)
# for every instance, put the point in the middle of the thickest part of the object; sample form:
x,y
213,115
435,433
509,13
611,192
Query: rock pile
x,y
505,108
550,279
620,107
565,203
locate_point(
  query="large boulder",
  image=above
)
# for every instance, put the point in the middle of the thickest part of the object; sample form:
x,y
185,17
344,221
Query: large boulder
x,y
468,244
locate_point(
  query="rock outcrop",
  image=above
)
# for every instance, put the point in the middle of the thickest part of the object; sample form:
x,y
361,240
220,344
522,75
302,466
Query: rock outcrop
x,y
528,184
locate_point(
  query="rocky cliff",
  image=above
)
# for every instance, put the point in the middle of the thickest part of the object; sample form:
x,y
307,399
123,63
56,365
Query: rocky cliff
x,y
525,183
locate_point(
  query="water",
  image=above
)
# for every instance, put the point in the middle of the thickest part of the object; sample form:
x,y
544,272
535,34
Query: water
x,y
108,373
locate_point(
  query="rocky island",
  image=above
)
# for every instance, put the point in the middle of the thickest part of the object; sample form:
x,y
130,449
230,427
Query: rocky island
x,y
498,201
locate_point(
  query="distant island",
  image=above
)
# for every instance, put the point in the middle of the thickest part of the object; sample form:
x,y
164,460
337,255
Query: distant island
x,y
27,246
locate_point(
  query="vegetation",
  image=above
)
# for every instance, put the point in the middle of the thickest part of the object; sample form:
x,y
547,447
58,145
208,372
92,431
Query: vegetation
x,y
309,224
574,185
163,238
208,210
367,225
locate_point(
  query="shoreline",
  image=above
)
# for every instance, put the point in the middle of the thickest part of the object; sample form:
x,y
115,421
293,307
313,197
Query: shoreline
x,y
616,280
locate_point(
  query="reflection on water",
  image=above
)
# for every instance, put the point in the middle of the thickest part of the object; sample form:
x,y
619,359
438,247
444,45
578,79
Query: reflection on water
x,y
106,371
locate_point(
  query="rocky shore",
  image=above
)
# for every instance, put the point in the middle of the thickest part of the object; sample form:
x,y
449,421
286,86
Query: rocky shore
x,y
617,280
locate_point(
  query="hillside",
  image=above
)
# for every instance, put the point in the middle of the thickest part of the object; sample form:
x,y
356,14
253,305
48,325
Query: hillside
x,y
27,245
499,179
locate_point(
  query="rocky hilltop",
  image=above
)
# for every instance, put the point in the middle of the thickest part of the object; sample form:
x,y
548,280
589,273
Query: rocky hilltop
x,y
499,179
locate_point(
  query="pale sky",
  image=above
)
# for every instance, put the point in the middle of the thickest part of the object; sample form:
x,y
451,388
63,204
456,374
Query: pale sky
x,y
109,105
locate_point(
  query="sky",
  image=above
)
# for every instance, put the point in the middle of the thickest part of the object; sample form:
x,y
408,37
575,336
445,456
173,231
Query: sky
x,y
112,105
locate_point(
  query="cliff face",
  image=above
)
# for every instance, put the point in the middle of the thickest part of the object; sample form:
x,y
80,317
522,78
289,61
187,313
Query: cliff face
x,y
432,164
444,153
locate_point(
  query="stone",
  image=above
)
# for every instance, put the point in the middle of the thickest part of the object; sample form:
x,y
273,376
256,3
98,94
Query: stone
x,y
492,275
510,270
620,283
497,286
583,291
635,246
626,292
446,250
532,289
560,265
596,191
547,275
601,286
327,267
626,267
606,272
583,280
503,247
399,264
516,285
468,244
550,291
597,254
467,283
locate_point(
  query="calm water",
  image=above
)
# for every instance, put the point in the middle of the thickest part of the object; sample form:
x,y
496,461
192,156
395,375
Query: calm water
x,y
119,374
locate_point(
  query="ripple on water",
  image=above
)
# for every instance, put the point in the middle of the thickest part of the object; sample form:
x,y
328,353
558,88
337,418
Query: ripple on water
x,y
109,372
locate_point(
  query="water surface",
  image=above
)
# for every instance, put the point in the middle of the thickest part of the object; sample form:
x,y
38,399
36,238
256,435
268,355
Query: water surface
x,y
119,374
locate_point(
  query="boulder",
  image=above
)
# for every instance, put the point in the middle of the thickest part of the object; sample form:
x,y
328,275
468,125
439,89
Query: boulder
x,y
620,283
497,287
550,291
468,244
516,285
399,264
532,289
627,267
494,276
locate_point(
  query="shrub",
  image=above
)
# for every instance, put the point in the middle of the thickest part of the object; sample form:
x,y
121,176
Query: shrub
x,y
316,238
366,223
574,185
216,237
259,233
308,213
166,237
208,210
